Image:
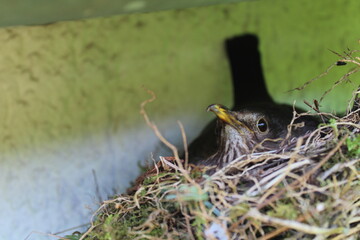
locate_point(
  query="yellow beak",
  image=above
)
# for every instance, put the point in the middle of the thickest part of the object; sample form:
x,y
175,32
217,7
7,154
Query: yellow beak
x,y
225,115
221,112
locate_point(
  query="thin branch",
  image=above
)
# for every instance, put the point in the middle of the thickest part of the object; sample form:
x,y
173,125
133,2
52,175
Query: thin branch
x,y
161,137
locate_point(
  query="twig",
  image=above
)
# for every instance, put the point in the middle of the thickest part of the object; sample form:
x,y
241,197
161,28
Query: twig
x,y
97,189
44,234
305,176
161,137
254,213
73,228
313,79
280,230
185,144
351,232
345,59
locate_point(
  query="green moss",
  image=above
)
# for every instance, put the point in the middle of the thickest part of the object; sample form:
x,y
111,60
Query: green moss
x,y
349,150
284,210
152,179
74,236
239,210
114,226
353,146
332,123
198,225
195,174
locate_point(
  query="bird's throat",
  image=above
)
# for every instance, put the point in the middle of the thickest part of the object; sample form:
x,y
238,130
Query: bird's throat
x,y
231,146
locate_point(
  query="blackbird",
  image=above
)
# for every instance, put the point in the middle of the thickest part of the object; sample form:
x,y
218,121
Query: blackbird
x,y
254,116
254,128
245,66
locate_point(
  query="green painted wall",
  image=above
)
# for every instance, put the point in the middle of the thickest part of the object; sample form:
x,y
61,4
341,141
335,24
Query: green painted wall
x,y
31,12
49,72
78,84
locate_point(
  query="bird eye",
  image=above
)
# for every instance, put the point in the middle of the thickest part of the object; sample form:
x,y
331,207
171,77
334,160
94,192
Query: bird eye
x,y
262,125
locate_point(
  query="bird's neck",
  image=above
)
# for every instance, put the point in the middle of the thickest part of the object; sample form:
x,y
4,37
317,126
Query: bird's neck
x,y
230,147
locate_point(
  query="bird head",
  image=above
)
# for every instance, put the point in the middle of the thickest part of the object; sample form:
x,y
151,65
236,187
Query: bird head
x,y
241,123
250,129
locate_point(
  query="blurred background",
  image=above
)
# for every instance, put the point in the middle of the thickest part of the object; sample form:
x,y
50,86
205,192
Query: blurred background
x,y
72,77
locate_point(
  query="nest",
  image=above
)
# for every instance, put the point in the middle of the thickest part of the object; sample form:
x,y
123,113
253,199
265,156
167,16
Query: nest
x,y
308,189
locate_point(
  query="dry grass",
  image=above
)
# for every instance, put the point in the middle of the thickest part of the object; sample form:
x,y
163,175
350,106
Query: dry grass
x,y
307,189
